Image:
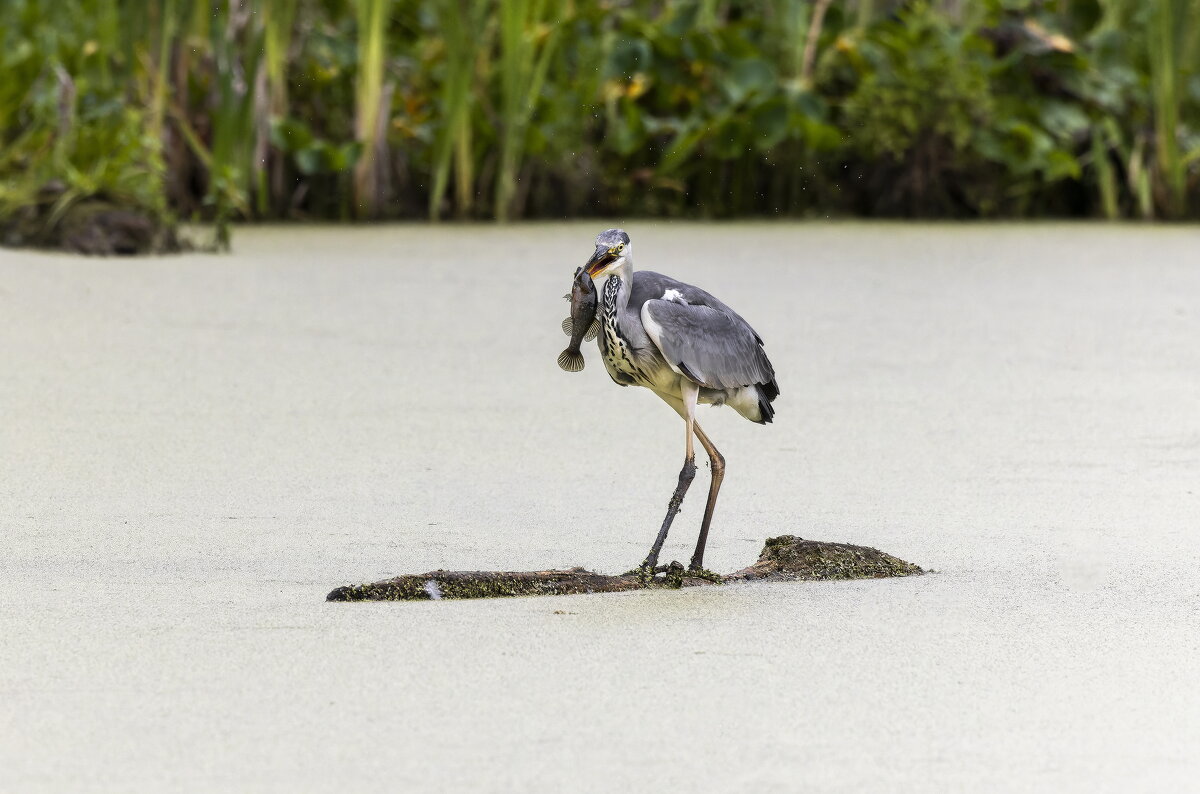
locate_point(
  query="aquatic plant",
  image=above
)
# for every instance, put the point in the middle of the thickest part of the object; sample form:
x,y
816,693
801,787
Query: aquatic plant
x,y
529,33
372,103
68,128
529,108
463,25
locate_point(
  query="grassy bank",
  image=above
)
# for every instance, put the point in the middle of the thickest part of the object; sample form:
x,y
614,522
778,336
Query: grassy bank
x,y
531,108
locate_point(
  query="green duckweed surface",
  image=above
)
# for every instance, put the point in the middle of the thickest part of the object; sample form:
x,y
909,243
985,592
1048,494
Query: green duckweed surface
x,y
195,449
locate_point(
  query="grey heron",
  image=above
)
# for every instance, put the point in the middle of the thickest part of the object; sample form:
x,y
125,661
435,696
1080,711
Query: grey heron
x,y
685,346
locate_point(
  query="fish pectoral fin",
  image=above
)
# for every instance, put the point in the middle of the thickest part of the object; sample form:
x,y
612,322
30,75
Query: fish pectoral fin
x,y
568,326
592,330
571,361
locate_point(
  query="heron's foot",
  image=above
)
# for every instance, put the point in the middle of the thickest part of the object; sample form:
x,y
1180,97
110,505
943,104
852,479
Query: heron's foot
x,y
647,571
700,572
673,577
644,573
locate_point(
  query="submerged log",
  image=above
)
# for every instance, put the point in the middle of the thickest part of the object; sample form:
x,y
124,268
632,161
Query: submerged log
x,y
785,558
789,558
92,226
101,229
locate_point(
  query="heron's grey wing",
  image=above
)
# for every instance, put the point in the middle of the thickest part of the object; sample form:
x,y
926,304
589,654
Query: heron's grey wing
x,y
713,348
648,285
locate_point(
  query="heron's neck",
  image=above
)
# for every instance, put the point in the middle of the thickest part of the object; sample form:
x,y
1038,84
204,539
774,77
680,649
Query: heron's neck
x,y
624,283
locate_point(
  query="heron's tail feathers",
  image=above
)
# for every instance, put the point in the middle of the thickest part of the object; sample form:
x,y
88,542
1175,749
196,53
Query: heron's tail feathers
x,y
767,392
765,412
571,361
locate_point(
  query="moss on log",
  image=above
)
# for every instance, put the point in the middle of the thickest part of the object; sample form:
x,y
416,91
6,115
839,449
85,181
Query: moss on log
x,y
789,558
785,558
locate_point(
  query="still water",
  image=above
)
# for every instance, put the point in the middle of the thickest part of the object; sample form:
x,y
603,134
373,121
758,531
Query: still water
x,y
194,450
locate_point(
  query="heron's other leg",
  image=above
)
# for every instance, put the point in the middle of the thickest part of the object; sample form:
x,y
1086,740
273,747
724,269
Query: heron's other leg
x,y
717,461
686,475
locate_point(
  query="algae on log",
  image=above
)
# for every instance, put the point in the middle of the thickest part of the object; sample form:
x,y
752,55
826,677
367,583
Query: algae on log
x,y
785,558
789,558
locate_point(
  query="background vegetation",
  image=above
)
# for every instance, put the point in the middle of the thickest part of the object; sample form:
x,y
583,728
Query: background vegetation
x,y
548,108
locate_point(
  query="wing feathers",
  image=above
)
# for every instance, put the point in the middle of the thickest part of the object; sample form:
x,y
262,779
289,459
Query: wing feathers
x,y
714,348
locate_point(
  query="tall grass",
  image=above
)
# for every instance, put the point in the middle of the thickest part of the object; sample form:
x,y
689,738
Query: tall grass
x,y
372,100
790,30
462,23
820,8
528,38
235,40
1106,175
233,109
271,107
1174,55
167,14
72,122
1165,36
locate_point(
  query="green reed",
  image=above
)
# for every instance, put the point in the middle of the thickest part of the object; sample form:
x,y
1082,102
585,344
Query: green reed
x,y
1172,44
528,38
271,108
462,24
228,109
371,104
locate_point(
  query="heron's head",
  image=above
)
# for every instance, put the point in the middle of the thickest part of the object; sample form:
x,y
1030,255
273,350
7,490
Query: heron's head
x,y
612,252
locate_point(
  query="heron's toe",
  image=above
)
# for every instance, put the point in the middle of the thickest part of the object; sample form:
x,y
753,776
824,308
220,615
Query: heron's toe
x,y
674,574
700,572
647,571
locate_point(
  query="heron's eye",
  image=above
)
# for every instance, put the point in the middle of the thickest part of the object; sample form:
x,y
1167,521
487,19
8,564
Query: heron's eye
x,y
620,247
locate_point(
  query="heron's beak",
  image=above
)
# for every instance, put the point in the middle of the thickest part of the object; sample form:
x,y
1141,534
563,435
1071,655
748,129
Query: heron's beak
x,y
600,260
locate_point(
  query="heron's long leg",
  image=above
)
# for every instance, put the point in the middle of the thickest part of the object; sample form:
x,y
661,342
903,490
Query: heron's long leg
x,y
717,461
686,475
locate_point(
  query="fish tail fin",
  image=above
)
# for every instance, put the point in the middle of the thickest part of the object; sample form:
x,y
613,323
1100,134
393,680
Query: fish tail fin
x,y
571,362
592,331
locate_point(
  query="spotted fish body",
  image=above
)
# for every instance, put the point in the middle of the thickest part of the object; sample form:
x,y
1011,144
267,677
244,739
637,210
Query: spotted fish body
x,y
582,324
